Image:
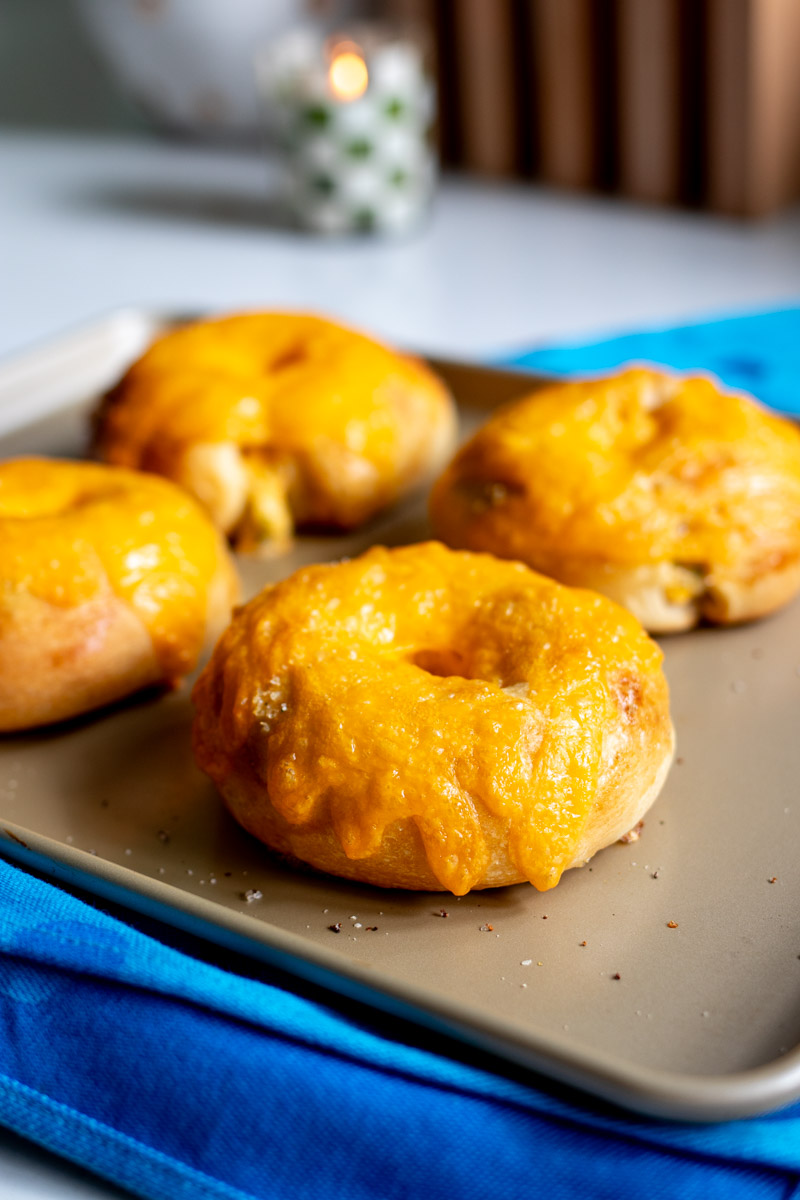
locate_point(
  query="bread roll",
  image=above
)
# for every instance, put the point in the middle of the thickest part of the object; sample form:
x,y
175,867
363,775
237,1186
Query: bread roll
x,y
676,499
110,581
422,718
279,420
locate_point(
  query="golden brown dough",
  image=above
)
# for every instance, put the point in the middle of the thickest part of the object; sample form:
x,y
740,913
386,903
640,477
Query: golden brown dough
x,y
676,499
423,718
110,581
277,420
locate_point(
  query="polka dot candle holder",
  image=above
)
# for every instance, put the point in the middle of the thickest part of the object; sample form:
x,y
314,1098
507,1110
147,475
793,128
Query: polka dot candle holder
x,y
353,113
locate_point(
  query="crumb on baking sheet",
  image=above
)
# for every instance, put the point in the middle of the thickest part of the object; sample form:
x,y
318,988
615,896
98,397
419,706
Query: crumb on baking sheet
x,y
632,835
672,924
486,928
773,879
252,894
442,913
337,928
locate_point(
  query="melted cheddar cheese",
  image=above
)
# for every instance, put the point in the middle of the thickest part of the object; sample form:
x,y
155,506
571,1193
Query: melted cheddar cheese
x,y
69,531
421,685
636,469
327,424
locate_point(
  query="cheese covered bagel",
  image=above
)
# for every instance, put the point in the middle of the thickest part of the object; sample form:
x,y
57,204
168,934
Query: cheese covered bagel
x,y
110,581
277,420
678,500
422,718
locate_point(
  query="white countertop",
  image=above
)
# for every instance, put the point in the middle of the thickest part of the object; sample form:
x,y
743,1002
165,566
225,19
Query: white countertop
x,y
88,225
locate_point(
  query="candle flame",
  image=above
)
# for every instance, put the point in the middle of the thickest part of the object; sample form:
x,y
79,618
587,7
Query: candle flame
x,y
348,75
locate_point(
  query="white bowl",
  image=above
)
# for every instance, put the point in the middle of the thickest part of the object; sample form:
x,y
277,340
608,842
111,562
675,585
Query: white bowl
x,y
188,64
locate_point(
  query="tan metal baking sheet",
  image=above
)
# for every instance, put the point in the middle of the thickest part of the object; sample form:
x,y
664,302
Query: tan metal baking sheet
x,y
664,976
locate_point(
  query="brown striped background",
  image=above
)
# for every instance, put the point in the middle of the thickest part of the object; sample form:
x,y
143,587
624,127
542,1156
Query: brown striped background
x,y
693,102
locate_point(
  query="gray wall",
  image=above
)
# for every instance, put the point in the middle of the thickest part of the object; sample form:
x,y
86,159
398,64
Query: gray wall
x,y
50,76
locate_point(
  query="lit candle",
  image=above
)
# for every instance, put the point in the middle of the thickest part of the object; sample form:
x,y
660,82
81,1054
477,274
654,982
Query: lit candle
x,y
354,116
348,74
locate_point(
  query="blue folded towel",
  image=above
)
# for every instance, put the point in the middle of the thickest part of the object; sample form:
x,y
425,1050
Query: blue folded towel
x,y
751,352
177,1078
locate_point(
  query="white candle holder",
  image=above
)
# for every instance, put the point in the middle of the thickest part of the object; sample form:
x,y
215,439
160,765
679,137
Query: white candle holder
x,y
354,114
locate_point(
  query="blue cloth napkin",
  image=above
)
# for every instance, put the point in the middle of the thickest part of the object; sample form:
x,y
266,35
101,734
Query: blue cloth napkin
x,y
177,1079
751,352
135,1057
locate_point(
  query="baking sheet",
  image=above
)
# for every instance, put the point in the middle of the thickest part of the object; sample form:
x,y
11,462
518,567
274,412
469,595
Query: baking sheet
x,y
664,976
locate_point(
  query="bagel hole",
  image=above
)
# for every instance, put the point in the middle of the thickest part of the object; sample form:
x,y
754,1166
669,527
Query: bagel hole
x,y
444,662
289,357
